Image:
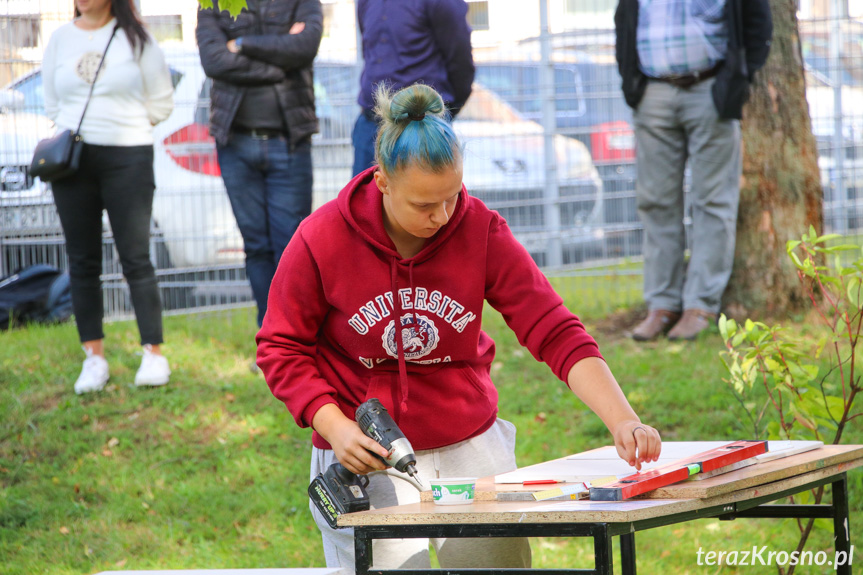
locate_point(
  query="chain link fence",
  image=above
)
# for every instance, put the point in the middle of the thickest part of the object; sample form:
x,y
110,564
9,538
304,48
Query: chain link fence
x,y
548,143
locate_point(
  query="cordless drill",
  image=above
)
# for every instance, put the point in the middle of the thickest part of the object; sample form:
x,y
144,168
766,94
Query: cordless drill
x,y
338,490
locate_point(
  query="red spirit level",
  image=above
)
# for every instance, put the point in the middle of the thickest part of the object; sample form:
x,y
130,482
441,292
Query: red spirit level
x,y
712,460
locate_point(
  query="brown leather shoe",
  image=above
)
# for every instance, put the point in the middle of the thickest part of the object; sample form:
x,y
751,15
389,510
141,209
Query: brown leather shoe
x,y
693,322
658,321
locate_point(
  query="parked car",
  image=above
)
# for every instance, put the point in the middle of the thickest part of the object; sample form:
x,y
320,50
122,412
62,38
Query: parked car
x,y
589,107
505,167
192,218
22,125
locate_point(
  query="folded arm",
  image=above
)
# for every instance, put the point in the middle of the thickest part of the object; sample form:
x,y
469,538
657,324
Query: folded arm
x,y
221,64
293,50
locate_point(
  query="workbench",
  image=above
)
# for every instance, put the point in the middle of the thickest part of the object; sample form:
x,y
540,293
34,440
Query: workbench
x,y
745,492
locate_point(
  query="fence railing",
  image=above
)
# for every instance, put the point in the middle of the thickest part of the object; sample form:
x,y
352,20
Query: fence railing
x,y
548,143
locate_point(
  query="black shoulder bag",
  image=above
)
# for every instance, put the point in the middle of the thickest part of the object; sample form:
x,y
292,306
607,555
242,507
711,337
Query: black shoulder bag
x,y
59,156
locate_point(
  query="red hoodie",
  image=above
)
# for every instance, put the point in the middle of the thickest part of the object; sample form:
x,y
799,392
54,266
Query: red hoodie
x,y
328,335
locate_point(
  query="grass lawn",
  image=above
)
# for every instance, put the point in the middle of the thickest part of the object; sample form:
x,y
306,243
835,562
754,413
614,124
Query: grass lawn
x,y
211,471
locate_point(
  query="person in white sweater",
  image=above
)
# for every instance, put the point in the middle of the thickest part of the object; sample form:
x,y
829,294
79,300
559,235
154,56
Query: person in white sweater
x,y
132,93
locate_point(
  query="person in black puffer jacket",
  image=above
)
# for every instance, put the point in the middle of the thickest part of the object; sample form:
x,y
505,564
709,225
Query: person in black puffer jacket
x,y
262,117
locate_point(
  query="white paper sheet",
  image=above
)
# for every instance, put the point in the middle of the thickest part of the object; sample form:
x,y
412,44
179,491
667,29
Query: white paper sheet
x,y
604,461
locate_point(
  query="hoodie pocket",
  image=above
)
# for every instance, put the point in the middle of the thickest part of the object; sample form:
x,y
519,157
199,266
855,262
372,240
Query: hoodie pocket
x,y
485,389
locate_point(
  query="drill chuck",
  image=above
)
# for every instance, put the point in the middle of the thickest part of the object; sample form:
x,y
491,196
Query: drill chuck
x,y
411,470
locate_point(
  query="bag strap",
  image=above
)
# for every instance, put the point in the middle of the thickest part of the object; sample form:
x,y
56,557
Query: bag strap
x,y
95,77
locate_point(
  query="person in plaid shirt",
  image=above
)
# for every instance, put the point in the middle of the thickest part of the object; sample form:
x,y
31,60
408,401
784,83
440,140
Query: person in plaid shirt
x,y
686,67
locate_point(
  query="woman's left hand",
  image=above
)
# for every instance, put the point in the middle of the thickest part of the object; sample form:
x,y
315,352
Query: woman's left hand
x,y
637,443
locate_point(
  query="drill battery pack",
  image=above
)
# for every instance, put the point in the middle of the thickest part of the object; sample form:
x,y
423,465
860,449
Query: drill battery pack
x,y
338,491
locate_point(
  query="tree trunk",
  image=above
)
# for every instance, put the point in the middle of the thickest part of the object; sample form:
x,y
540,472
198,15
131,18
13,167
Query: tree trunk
x,y
780,192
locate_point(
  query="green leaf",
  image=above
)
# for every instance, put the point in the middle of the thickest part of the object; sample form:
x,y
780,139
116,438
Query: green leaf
x,y
791,244
854,292
802,373
835,249
827,238
751,374
773,431
206,4
773,365
796,260
812,405
836,406
723,326
750,325
234,7
804,498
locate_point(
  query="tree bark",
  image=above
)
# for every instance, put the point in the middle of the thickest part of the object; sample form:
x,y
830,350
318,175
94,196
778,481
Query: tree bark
x,y
780,192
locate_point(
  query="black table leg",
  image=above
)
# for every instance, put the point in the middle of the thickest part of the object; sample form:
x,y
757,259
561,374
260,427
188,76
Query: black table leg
x,y
602,550
841,528
627,553
362,551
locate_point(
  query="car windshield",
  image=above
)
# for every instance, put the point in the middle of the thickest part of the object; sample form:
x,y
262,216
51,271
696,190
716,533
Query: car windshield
x,y
31,88
519,83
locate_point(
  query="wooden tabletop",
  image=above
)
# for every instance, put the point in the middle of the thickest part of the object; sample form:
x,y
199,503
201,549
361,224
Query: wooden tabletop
x,y
736,486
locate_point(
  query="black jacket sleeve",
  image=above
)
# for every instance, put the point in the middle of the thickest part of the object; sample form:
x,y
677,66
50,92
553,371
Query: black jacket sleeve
x,y
448,20
757,33
290,51
634,82
220,64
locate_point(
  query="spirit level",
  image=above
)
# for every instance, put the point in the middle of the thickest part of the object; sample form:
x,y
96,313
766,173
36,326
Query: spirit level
x,y
711,460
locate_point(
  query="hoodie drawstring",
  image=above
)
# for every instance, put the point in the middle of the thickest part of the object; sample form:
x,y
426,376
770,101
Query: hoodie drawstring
x,y
400,398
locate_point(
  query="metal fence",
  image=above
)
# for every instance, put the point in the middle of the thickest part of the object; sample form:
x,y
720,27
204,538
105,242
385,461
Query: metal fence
x,y
548,143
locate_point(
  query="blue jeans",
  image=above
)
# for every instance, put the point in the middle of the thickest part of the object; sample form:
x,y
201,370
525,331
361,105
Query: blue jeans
x,y
363,138
270,188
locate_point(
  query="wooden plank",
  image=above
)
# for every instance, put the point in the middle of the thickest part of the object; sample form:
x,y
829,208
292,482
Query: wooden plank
x,y
515,512
778,486
760,473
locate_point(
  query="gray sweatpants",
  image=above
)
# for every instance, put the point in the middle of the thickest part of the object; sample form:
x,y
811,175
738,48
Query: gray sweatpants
x,y
673,125
491,453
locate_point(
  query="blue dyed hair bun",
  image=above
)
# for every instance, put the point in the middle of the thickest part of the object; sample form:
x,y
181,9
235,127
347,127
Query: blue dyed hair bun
x,y
415,129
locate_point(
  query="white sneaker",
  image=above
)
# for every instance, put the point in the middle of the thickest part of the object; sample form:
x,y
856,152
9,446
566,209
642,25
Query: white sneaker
x,y
154,369
94,373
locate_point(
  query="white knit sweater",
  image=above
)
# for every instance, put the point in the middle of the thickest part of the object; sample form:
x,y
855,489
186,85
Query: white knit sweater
x,y
132,94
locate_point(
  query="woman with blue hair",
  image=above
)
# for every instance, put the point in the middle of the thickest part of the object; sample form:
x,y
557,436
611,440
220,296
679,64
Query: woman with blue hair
x,y
380,294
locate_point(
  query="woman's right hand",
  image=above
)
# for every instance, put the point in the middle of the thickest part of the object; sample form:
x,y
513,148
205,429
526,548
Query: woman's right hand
x,y
352,447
